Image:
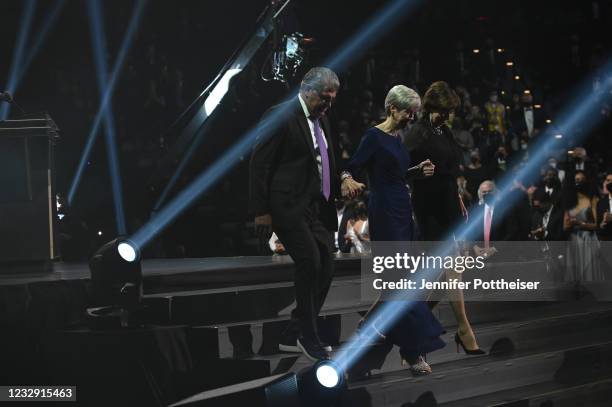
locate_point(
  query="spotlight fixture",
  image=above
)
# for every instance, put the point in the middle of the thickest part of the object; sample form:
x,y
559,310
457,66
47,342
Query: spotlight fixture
x,y
509,63
548,121
517,77
526,91
476,51
537,106
116,281
322,383
558,136
500,50
327,375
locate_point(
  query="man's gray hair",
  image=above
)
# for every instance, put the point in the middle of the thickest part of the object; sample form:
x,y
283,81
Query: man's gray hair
x,y
320,79
403,98
482,184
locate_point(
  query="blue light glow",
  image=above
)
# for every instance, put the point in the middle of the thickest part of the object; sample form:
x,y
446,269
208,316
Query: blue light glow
x,y
18,53
367,35
107,97
577,119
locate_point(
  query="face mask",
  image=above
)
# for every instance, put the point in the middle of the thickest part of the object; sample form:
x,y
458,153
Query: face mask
x,y
553,164
489,198
581,186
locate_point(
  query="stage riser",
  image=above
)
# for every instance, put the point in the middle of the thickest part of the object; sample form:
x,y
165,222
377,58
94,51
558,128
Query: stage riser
x,y
231,272
521,337
255,303
490,375
240,341
247,304
262,337
597,394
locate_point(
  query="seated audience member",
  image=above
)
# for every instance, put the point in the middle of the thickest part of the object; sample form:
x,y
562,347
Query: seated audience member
x,y
276,246
550,185
357,230
604,210
343,244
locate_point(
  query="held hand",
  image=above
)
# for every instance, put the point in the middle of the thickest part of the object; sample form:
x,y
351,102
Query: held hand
x,y
351,188
427,168
263,226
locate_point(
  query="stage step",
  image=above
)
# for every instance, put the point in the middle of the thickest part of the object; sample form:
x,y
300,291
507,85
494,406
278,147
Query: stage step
x,y
161,275
585,361
250,303
339,324
568,322
547,394
245,303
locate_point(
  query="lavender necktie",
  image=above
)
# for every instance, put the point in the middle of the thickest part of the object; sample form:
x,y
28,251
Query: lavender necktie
x,y
324,158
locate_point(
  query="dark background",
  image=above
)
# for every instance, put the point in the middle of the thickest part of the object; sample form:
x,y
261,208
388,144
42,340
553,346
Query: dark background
x,y
180,46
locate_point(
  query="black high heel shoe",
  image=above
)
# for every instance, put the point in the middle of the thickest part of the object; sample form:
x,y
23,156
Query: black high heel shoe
x,y
467,351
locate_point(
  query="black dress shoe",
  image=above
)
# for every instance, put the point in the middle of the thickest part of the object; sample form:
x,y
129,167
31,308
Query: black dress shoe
x,y
311,348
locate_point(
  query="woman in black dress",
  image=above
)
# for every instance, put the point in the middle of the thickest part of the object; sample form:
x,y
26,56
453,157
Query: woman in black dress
x,y
436,201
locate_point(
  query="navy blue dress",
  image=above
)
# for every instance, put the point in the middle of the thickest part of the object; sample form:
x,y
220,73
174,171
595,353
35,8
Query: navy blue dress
x,y
386,161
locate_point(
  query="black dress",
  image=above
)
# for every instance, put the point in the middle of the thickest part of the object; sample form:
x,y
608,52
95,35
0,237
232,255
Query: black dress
x,y
435,199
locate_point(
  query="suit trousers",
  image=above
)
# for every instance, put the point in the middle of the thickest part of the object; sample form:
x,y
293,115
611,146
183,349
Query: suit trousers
x,y
310,246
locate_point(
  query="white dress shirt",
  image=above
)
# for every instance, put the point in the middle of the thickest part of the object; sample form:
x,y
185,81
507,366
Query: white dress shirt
x,y
487,209
339,214
545,220
529,121
310,122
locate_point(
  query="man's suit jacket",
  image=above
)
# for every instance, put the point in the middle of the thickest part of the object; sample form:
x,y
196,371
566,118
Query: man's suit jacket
x,y
519,124
501,224
284,176
604,206
554,226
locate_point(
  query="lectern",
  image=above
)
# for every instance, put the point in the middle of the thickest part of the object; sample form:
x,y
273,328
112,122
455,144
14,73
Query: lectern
x,y
28,209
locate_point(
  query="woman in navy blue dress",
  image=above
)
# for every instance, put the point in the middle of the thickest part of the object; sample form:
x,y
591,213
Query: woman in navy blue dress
x,y
387,162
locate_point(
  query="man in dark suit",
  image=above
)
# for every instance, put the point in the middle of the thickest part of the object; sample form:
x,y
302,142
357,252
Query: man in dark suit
x,y
494,222
547,219
549,187
604,210
526,121
293,182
